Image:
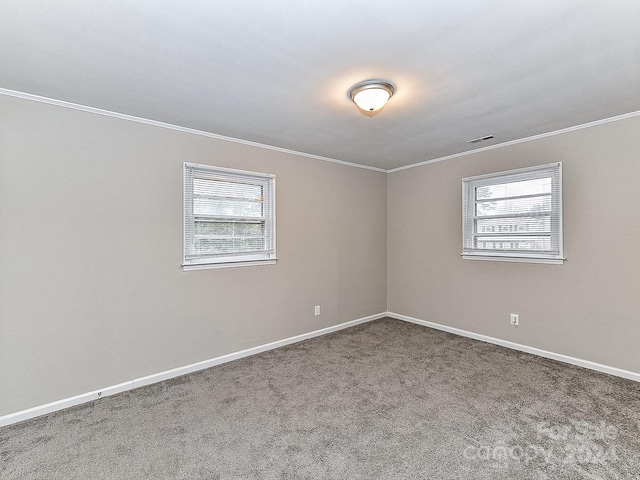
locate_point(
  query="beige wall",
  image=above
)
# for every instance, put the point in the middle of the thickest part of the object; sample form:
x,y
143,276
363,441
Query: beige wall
x,y
91,289
587,308
92,293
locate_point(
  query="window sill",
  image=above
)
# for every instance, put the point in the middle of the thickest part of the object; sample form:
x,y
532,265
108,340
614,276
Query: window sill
x,y
208,266
502,258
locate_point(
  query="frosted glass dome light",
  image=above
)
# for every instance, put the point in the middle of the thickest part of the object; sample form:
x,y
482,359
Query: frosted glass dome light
x,y
371,95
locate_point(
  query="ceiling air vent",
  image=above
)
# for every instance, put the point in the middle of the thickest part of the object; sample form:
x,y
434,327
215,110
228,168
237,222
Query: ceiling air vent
x,y
481,139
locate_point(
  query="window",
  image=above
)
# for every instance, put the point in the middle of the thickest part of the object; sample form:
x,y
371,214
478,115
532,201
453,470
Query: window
x,y
229,217
514,215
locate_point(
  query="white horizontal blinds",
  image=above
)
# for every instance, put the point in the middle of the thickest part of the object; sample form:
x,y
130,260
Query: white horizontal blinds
x,y
514,213
229,215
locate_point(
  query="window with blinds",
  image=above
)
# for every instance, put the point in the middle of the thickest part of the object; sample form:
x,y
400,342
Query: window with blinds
x,y
229,217
514,215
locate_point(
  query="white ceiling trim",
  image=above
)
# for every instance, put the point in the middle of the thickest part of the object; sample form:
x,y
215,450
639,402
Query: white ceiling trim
x,y
521,140
146,121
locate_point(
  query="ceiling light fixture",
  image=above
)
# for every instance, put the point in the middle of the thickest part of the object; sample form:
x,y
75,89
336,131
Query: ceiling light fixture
x,y
371,95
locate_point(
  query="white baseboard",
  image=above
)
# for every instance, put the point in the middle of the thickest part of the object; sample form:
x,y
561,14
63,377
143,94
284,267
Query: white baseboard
x,y
618,372
175,372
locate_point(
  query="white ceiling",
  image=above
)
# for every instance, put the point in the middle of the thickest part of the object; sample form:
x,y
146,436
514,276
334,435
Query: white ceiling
x,y
277,72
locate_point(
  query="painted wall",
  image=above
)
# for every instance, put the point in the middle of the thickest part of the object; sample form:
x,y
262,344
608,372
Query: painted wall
x,y
92,293
91,289
587,308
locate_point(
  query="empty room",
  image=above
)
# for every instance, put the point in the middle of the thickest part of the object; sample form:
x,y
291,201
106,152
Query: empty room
x,y
320,240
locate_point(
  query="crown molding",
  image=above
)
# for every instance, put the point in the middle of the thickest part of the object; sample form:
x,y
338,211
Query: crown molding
x,y
146,121
520,140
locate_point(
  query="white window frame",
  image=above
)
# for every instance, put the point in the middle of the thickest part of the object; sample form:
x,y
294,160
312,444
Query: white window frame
x,y
193,261
470,250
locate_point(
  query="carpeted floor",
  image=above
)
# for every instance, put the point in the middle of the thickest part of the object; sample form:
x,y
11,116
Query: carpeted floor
x,y
383,400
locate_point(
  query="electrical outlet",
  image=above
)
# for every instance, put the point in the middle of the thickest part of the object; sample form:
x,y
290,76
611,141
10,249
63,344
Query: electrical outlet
x,y
515,319
317,310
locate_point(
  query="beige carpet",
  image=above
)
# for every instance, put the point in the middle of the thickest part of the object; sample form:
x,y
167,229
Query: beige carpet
x,y
383,400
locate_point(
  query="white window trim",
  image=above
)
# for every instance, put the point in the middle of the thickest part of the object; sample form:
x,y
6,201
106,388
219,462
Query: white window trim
x,y
469,185
227,261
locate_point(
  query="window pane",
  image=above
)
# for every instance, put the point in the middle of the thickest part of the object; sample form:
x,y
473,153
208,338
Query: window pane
x,y
248,229
514,189
539,243
519,224
229,217
516,206
228,228
514,215
212,228
232,208
213,246
220,188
